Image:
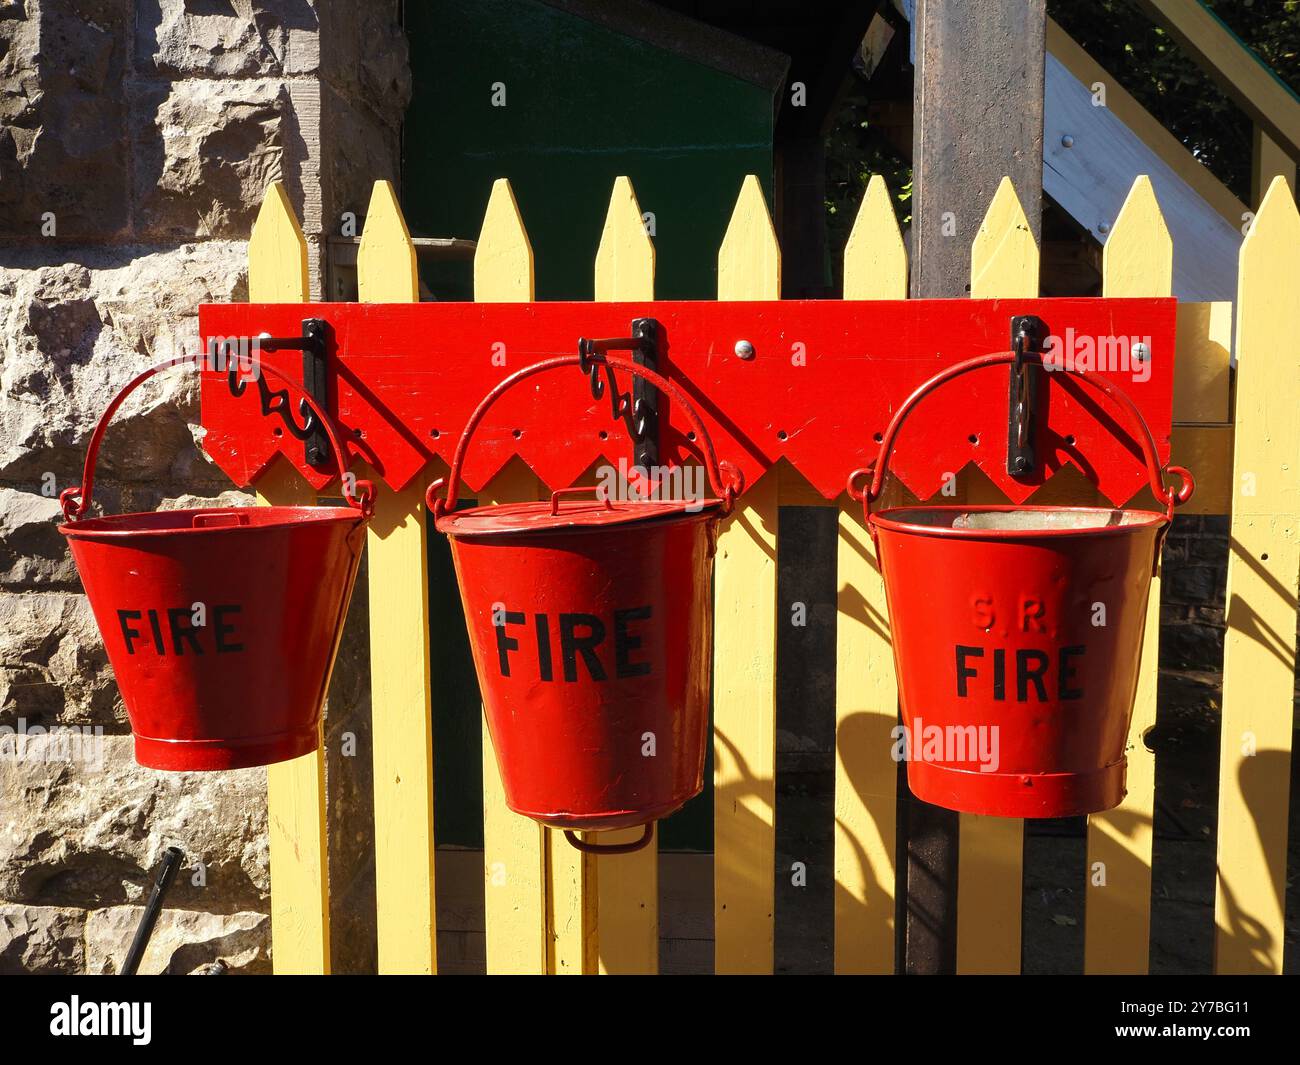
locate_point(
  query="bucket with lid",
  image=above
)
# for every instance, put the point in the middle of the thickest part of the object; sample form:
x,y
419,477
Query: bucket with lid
x,y
590,622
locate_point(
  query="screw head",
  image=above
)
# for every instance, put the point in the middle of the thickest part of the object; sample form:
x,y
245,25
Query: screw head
x,y
744,349
1067,141
1103,227
1141,352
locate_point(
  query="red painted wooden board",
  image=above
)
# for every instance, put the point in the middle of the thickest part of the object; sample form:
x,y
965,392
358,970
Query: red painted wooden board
x,y
824,380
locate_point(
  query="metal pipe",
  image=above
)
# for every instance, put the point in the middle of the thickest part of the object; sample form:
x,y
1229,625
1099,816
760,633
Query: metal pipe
x,y
171,861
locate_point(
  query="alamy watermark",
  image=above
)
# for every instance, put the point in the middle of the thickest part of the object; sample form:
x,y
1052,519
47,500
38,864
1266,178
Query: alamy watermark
x,y
1109,354
631,483
947,744
58,743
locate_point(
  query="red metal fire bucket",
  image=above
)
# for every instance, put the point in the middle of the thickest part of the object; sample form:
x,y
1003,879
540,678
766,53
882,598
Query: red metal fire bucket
x,y
1017,635
590,623
221,623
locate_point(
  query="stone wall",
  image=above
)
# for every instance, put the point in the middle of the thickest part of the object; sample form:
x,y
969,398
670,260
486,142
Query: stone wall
x,y
136,140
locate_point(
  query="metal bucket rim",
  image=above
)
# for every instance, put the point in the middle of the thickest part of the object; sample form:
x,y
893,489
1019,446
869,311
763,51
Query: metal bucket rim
x,y
444,525
894,519
102,528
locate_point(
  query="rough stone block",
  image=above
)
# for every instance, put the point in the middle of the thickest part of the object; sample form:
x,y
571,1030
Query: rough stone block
x,y
85,835
53,669
203,38
41,939
204,153
63,135
32,553
365,57
71,336
183,941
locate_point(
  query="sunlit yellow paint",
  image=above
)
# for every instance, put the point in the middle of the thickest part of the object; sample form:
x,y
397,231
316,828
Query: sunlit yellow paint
x,y
744,636
627,931
1259,655
1138,261
866,694
295,790
399,651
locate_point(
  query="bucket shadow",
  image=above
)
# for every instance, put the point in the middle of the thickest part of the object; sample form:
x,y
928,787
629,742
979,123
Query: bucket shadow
x,y
1244,618
743,851
1262,779
860,738
349,784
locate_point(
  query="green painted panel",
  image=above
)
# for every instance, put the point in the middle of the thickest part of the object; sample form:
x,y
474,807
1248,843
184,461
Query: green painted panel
x,y
582,105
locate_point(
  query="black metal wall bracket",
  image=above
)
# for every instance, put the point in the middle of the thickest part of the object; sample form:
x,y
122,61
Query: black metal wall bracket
x,y
1028,335
640,410
312,344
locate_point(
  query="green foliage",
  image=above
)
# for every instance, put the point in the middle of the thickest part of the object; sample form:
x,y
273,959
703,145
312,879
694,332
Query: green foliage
x,y
1141,57
856,149
1169,84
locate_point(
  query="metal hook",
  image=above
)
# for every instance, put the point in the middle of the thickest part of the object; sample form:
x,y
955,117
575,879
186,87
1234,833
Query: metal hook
x,y
1028,334
639,409
312,344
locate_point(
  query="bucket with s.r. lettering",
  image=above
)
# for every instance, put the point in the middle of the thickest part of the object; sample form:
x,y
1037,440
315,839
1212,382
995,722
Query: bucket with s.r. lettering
x,y
221,623
590,623
1017,635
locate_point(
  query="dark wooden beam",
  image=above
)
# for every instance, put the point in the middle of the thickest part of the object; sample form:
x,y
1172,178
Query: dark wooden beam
x,y
977,116
800,147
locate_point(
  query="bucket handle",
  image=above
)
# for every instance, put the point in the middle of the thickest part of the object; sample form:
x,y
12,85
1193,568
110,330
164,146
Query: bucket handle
x,y
611,848
559,493
1169,495
76,500
725,478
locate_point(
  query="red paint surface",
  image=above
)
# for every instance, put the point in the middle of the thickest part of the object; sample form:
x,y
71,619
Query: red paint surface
x,y
246,688
572,749
404,379
1061,754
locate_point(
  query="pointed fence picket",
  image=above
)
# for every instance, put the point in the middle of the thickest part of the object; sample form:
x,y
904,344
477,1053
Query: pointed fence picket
x,y
627,885
398,581
515,866
295,790
549,908
1138,260
744,654
990,856
1259,655
866,695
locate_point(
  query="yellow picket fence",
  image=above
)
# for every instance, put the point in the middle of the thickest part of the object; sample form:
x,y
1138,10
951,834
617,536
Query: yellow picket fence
x,y
551,909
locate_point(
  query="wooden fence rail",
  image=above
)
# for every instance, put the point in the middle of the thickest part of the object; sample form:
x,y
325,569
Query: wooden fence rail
x,y
551,909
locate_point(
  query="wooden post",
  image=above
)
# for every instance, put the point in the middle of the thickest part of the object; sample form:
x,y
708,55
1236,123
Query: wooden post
x,y
627,907
398,581
978,117
295,790
744,654
1259,655
514,848
866,694
1267,161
